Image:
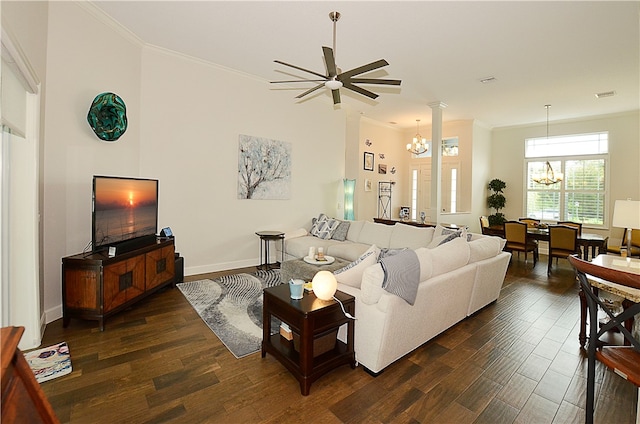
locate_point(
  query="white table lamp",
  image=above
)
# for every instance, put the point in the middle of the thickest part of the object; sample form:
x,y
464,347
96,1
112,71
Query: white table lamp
x,y
324,285
626,214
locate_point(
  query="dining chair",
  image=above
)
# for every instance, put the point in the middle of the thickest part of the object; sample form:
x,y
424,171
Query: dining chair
x,y
635,244
484,224
531,222
563,242
578,225
516,234
623,360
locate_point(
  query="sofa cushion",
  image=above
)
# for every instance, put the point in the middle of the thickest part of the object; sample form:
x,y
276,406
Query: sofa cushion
x,y
340,233
374,233
371,290
409,236
426,263
346,249
354,230
484,248
324,227
351,275
449,256
300,232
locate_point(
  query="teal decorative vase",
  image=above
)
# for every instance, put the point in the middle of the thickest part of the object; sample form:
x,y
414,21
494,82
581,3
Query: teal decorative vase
x,y
108,116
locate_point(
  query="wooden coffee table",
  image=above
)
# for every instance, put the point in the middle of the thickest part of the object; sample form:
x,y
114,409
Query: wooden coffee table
x,y
311,319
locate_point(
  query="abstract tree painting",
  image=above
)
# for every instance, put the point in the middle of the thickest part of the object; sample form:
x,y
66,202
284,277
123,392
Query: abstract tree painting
x,y
264,168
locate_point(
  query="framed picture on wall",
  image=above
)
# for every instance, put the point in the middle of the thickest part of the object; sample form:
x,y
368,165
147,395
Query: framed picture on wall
x,y
367,185
368,161
382,169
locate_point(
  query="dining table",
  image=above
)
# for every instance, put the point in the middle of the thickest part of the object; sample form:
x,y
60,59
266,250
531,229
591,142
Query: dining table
x,y
629,294
590,245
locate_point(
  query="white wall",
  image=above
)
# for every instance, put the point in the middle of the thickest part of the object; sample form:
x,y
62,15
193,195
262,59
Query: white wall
x,y
390,142
193,114
85,57
481,174
624,155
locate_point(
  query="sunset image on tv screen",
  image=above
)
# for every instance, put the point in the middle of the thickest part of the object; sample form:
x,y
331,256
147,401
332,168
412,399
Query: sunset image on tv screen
x,y
124,209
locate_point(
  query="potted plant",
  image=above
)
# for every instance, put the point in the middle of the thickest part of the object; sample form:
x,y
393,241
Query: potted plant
x,y
496,201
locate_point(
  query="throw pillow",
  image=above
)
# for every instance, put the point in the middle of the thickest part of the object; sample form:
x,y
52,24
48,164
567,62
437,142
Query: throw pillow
x,y
442,239
341,232
351,275
315,222
440,230
324,227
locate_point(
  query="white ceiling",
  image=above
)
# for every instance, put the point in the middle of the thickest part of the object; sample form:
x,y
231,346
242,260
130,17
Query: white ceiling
x,y
558,53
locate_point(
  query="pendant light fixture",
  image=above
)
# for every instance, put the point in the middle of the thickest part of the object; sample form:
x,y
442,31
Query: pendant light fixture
x,y
548,176
419,144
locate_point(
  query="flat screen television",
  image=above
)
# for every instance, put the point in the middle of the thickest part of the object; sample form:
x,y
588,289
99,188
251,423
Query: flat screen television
x,y
124,209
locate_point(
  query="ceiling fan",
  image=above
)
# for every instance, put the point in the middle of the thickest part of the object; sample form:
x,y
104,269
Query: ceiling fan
x,y
335,79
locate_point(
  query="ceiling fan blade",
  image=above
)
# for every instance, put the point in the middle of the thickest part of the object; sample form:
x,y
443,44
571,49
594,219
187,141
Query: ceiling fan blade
x,y
336,96
300,80
374,81
364,68
330,61
300,69
359,90
311,90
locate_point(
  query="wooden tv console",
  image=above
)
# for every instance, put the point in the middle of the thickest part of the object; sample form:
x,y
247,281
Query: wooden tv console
x,y
95,286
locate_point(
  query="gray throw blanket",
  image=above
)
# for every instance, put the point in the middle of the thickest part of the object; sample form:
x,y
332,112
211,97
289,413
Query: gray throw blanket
x,y
402,275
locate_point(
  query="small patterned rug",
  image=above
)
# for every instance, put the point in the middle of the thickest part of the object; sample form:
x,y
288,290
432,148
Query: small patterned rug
x,y
231,306
50,362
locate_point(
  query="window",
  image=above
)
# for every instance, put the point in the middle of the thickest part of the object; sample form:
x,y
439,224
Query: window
x,y
580,196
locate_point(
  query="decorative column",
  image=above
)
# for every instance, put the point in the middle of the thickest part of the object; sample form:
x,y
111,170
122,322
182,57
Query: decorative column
x,y
436,160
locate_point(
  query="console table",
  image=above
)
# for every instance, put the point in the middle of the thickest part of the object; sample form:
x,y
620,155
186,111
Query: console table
x,y
408,222
95,286
311,319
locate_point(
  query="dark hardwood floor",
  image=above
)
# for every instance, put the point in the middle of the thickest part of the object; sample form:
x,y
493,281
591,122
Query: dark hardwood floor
x,y
516,361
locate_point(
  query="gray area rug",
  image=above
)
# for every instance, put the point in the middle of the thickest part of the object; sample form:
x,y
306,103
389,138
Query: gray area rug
x,y
232,307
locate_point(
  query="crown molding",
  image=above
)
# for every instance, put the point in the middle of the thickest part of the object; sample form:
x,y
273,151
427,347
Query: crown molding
x,y
107,20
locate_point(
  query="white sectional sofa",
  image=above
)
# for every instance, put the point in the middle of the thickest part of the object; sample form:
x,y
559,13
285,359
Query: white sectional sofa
x,y
457,279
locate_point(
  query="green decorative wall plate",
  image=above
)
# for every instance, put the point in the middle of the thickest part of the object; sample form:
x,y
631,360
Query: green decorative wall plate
x,y
108,116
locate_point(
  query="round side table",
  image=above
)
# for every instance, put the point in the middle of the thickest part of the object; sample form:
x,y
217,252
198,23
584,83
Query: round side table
x,y
265,238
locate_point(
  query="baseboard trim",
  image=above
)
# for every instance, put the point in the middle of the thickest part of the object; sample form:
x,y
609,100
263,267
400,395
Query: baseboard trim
x,y
223,266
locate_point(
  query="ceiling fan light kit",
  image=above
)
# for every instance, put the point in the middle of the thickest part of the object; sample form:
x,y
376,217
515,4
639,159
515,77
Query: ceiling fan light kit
x,y
334,79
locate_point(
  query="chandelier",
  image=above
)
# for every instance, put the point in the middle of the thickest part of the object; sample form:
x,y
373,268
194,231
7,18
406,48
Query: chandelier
x,y
419,144
548,176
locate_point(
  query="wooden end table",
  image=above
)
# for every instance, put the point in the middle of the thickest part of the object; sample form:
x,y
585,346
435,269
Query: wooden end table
x,y
310,318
